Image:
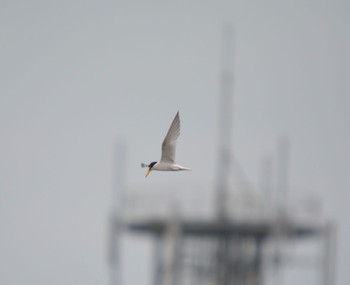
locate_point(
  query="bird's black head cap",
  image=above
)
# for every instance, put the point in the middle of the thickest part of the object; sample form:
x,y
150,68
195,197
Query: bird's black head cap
x,y
150,166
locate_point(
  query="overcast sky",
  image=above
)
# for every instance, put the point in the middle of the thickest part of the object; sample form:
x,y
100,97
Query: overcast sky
x,y
76,76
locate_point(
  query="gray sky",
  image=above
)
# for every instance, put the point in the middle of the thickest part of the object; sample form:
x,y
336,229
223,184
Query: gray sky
x,y
78,75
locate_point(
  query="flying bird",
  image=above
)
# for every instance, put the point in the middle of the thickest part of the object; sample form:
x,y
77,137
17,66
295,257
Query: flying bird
x,y
167,160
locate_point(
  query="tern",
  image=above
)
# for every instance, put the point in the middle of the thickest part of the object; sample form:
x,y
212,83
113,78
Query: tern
x,y
167,160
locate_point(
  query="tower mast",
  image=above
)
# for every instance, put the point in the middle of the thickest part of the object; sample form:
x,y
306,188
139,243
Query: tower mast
x,y
225,123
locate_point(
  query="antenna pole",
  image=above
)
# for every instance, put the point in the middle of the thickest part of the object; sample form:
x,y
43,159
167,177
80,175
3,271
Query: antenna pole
x,y
225,123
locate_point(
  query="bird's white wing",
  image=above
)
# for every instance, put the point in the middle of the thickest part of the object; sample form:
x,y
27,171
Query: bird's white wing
x,y
169,143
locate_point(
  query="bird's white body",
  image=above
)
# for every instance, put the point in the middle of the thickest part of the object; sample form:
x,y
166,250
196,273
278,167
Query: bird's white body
x,y
165,166
167,161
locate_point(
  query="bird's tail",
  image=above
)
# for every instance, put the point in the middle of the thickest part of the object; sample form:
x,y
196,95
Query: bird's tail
x,y
143,165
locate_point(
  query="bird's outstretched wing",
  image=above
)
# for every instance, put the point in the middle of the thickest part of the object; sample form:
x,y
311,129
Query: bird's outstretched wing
x,y
169,143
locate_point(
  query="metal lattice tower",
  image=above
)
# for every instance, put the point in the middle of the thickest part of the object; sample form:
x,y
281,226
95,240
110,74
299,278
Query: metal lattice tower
x,y
229,248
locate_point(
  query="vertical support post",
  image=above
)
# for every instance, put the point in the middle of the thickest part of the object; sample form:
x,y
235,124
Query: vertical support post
x,y
168,250
223,257
281,207
266,182
158,262
282,177
258,262
115,227
329,259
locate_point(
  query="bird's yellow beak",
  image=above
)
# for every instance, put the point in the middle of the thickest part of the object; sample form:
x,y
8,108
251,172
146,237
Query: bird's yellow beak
x,y
148,172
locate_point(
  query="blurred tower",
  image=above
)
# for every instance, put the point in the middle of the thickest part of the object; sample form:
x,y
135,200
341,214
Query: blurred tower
x,y
230,247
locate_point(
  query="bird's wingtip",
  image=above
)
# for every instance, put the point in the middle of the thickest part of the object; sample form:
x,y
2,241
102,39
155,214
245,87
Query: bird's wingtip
x,y
186,168
143,165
